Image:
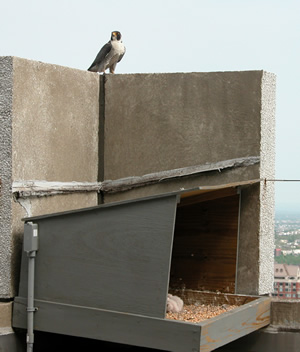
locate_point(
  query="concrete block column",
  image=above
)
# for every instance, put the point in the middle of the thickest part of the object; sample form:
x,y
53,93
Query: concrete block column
x,y
48,132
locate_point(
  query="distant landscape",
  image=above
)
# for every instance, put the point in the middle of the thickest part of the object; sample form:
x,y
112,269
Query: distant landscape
x,y
287,237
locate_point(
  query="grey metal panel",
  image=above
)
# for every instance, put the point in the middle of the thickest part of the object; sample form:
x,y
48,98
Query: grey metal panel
x,y
104,325
11,342
115,257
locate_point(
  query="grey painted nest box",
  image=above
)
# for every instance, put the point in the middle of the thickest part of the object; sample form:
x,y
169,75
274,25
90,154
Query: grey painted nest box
x,y
105,272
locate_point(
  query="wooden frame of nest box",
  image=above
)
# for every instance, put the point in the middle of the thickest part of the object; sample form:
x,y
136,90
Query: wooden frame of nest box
x,y
204,256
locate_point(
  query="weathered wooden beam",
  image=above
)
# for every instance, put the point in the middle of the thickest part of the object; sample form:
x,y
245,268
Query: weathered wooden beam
x,y
22,189
124,184
198,196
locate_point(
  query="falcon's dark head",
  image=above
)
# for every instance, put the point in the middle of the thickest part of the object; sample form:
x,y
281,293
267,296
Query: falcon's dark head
x,y
115,35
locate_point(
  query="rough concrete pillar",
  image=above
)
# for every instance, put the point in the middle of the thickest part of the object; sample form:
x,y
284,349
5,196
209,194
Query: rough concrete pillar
x,y
6,96
48,132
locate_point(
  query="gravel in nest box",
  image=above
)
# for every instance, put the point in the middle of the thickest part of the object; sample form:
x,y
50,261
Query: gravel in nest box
x,y
194,313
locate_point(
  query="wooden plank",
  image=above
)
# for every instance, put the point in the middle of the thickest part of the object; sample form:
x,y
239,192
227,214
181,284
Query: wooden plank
x,y
22,189
234,324
114,257
30,188
111,326
205,246
190,198
112,186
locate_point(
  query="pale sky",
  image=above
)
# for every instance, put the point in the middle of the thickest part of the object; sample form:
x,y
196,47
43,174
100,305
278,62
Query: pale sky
x,y
175,36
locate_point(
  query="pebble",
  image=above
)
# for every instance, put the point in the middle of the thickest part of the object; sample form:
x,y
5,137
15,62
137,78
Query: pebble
x,y
194,313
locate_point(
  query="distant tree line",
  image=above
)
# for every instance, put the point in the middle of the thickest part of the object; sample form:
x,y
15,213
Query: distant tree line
x,y
289,259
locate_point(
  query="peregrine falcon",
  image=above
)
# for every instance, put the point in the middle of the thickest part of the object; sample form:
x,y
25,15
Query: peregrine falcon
x,y
110,54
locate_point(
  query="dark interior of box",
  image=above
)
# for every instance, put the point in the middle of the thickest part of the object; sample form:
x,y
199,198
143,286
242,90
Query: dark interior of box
x,y
205,242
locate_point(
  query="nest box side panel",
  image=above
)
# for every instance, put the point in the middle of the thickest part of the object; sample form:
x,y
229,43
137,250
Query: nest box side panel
x,y
114,257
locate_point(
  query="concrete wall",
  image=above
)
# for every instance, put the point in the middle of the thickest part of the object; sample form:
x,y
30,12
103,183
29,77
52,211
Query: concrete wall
x,y
158,122
167,121
49,131
52,118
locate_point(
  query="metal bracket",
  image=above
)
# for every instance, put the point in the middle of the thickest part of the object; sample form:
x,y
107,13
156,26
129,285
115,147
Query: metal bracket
x,y
33,309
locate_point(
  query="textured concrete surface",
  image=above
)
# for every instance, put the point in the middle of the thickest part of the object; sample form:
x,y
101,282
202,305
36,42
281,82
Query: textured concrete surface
x,y
55,114
267,188
6,94
167,121
151,122
5,314
285,314
50,132
255,267
247,276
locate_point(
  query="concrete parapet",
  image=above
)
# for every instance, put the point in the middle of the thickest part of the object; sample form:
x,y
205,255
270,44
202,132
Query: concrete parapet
x,y
60,124
49,131
63,125
159,122
167,121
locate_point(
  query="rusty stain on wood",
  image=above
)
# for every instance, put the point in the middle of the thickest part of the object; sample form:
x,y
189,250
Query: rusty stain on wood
x,y
230,326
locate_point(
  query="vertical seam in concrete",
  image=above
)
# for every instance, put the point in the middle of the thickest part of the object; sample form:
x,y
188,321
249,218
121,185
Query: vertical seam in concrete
x,y
101,134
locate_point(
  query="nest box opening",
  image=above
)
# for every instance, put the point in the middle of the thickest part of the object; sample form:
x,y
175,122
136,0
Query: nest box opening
x,y
204,254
